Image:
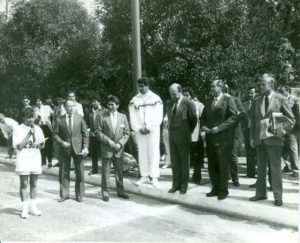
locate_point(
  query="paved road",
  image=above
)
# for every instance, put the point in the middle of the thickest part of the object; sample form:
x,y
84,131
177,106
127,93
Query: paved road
x,y
137,219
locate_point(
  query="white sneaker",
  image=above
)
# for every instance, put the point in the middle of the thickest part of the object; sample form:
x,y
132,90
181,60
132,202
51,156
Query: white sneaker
x,y
155,182
34,210
141,181
24,214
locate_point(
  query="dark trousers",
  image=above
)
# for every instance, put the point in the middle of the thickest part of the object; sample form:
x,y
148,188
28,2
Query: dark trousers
x,y
180,160
105,172
197,158
269,155
95,152
250,154
218,160
46,152
290,151
234,160
64,173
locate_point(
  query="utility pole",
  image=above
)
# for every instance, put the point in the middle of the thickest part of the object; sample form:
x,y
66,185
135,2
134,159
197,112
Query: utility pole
x,y
136,40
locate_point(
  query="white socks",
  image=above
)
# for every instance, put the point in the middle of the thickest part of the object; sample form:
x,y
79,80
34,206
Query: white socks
x,y
32,209
24,214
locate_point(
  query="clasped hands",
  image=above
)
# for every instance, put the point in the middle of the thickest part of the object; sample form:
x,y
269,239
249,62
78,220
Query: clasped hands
x,y
213,130
144,131
114,145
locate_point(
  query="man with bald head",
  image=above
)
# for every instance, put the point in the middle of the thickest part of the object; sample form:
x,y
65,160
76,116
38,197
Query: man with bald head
x,y
218,118
268,148
182,119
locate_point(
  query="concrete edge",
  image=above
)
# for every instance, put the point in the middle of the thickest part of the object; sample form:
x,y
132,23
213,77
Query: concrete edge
x,y
281,217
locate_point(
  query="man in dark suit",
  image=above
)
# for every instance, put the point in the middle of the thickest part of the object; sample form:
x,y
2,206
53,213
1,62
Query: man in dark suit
x,y
218,119
71,134
269,148
182,118
250,152
113,131
96,111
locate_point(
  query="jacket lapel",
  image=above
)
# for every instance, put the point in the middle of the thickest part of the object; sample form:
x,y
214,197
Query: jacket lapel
x,y
108,121
64,123
119,121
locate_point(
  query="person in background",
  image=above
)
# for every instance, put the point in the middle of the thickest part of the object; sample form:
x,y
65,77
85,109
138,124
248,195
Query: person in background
x,y
28,139
95,146
165,138
78,107
7,126
290,148
45,114
182,119
197,145
250,152
146,114
113,131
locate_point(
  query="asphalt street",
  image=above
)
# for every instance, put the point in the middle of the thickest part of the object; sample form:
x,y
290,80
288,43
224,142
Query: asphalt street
x,y
137,219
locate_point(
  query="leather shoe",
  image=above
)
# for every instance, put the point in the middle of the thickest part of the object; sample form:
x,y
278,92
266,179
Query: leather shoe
x,y
91,172
253,185
172,190
63,199
125,196
222,196
253,199
182,192
236,183
212,194
105,199
278,202
79,199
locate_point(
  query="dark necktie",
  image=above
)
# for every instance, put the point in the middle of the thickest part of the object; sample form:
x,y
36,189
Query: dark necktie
x,y
266,104
174,109
70,124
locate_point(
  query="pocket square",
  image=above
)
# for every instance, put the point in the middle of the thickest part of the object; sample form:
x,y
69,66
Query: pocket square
x,y
122,125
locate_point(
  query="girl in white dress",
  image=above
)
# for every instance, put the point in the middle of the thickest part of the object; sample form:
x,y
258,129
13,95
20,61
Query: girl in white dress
x,y
28,139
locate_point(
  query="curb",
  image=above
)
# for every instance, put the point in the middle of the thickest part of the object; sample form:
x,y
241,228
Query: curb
x,y
251,211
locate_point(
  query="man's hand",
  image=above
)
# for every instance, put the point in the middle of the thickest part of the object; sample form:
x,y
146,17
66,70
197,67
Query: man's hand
x,y
215,130
66,144
252,144
205,129
32,130
111,143
118,146
144,131
85,152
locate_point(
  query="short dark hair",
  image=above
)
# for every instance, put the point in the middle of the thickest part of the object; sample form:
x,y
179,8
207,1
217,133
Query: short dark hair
x,y
25,97
95,97
113,98
188,90
286,87
28,112
251,87
145,81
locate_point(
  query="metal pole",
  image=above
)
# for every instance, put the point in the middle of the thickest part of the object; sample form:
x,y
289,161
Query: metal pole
x,y
136,40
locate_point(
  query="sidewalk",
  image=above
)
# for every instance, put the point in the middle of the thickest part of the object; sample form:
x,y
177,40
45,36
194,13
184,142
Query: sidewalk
x,y
237,204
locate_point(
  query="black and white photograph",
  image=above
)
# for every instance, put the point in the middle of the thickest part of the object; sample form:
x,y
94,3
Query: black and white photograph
x,y
149,121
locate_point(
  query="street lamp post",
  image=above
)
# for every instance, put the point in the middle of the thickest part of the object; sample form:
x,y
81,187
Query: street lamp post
x,y
136,40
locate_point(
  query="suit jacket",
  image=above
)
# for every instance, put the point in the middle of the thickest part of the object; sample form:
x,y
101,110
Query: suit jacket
x,y
183,124
224,116
296,112
79,136
91,122
105,133
277,104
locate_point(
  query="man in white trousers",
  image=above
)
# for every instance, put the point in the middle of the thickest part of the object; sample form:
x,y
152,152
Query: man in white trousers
x,y
146,114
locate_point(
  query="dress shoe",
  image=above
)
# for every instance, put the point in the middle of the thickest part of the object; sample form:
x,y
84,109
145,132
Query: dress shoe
x,y
63,199
56,165
222,196
125,196
286,169
79,199
253,199
105,199
278,203
253,185
182,192
212,194
91,172
236,183
172,190
295,174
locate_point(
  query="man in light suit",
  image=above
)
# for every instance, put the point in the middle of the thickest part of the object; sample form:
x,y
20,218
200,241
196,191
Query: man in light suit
x,y
269,149
113,132
71,134
182,119
218,118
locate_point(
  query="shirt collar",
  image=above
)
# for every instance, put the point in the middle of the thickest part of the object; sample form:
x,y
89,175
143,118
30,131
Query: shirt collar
x,y
179,100
271,95
219,97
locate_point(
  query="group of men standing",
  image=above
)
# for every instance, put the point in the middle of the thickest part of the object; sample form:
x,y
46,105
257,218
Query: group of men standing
x,y
190,123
